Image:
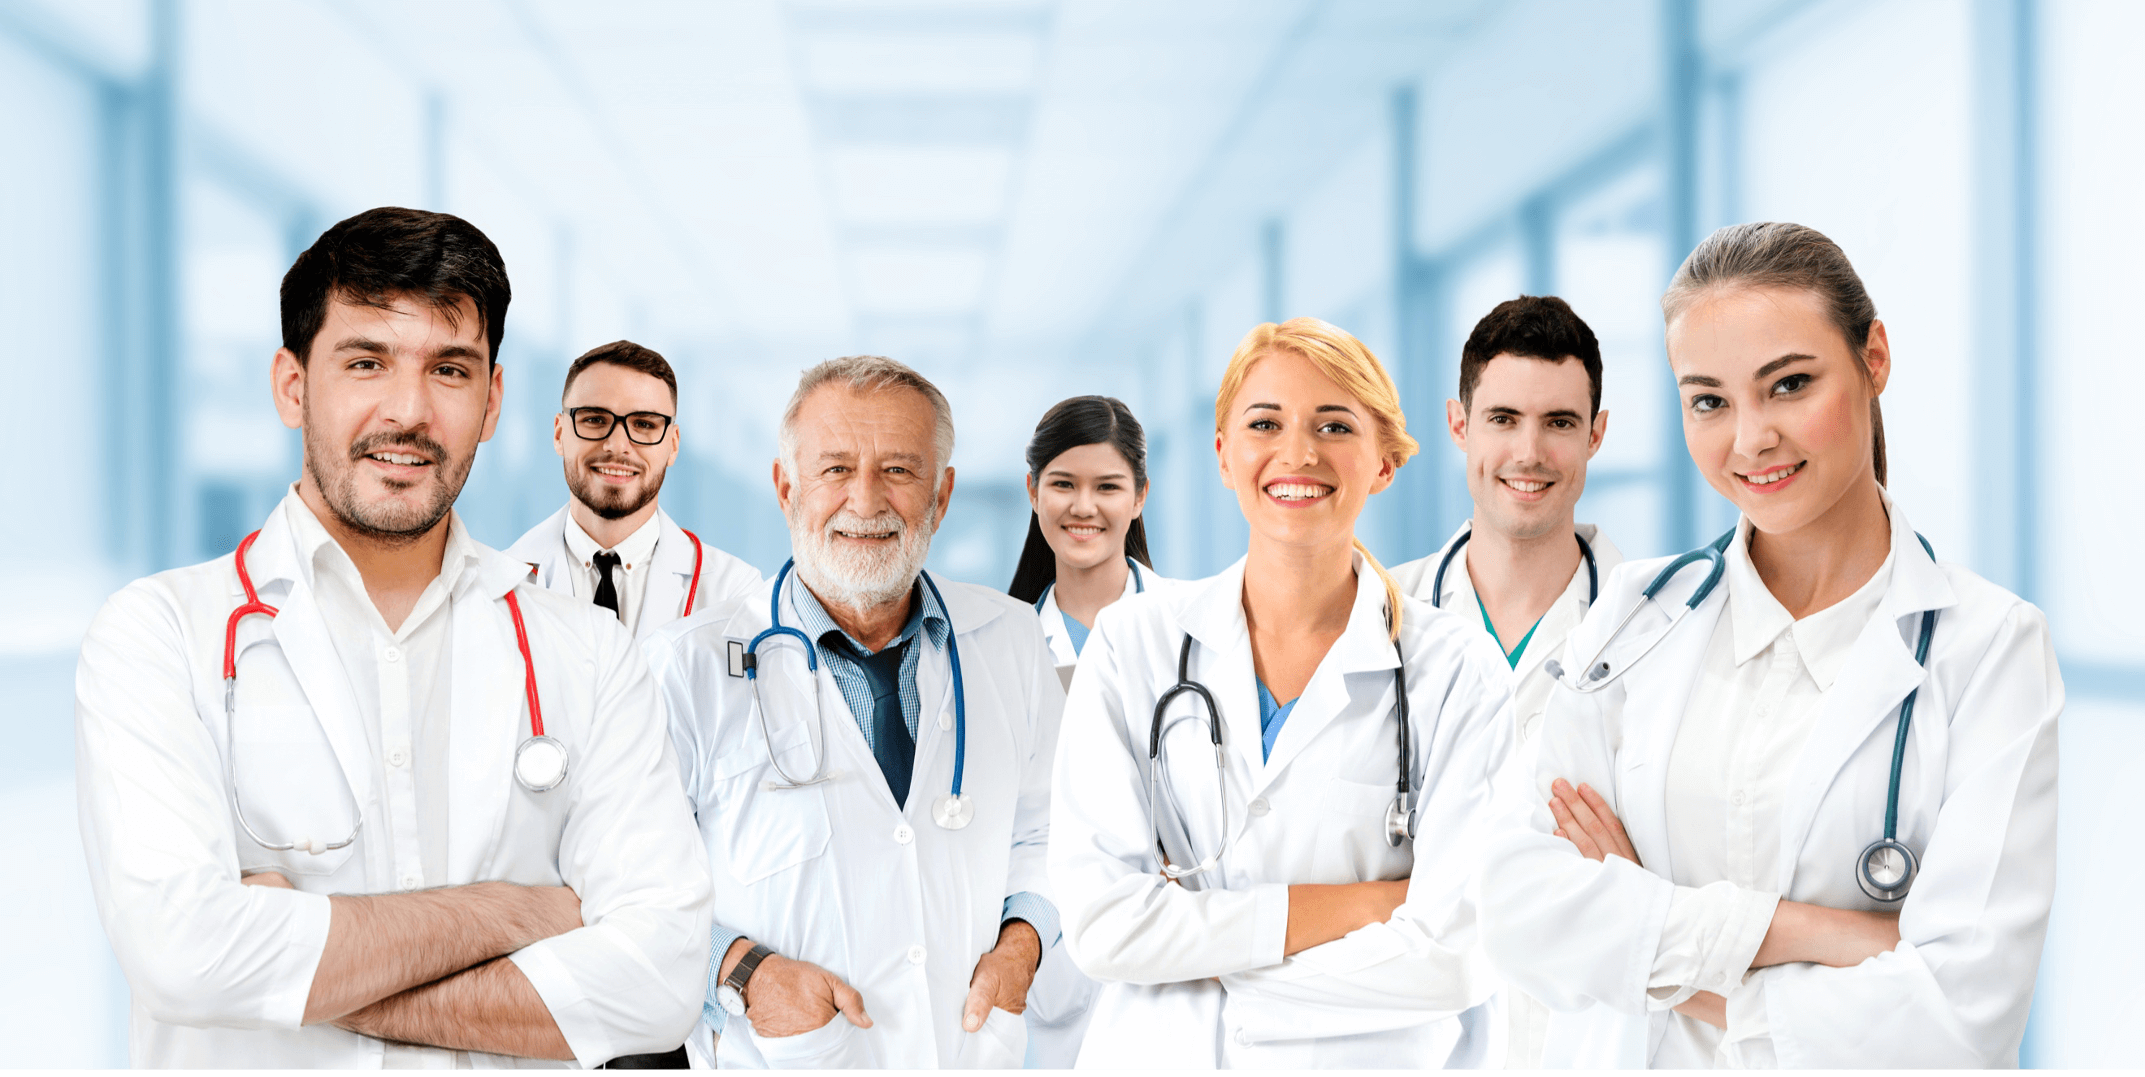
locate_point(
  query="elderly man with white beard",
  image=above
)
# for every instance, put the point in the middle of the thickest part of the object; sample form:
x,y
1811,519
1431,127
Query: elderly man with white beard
x,y
867,749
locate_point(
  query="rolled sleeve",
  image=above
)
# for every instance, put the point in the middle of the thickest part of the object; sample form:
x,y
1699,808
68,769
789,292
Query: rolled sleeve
x,y
1038,912
720,940
1712,934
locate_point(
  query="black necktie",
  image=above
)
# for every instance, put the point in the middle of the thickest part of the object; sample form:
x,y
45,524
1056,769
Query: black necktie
x,y
891,743
607,591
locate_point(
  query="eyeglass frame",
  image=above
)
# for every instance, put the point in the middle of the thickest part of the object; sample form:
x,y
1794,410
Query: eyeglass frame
x,y
573,422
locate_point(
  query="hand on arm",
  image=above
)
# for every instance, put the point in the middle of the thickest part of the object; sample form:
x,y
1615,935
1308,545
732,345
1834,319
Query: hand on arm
x,y
490,1008
1799,932
1320,913
385,944
1003,975
790,998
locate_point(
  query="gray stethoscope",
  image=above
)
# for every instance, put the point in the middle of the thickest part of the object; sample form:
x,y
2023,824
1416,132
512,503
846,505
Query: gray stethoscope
x,y
1139,586
951,811
1399,815
539,763
1437,582
1886,868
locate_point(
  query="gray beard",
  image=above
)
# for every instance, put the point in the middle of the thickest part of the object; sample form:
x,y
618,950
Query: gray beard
x,y
861,581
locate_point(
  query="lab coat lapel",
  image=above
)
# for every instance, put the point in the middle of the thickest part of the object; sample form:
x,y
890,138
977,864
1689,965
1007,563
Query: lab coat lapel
x,y
1875,680
488,720
1213,615
671,576
302,632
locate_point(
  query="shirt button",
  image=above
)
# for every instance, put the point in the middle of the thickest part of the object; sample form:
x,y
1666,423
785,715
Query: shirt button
x,y
1259,806
391,655
945,721
398,755
412,881
903,834
1763,710
1737,798
916,955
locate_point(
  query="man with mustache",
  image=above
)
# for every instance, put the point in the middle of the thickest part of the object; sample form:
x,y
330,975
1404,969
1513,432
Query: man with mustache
x,y
1529,418
612,544
357,796
866,916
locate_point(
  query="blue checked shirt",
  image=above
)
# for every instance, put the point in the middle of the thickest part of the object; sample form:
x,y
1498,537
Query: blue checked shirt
x,y
927,619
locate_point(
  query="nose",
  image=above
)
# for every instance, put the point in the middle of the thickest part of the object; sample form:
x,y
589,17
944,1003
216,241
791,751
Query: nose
x,y
407,402
616,440
1083,500
1299,448
1754,433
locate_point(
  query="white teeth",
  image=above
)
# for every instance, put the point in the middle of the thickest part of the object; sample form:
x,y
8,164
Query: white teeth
x,y
620,472
1298,491
1084,530
1772,477
1526,486
404,459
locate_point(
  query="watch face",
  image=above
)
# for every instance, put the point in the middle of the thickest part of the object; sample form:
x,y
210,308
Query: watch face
x,y
732,1001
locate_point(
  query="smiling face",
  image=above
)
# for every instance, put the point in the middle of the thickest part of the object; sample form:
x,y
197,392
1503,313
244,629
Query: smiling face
x,y
393,401
1776,409
1301,453
1084,500
863,495
615,477
1527,440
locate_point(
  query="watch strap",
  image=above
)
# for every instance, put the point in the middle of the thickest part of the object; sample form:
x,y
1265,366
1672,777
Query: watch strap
x,y
741,973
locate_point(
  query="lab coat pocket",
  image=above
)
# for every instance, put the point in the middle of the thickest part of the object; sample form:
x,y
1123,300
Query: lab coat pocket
x,y
773,829
290,789
1001,1044
1357,800
834,1045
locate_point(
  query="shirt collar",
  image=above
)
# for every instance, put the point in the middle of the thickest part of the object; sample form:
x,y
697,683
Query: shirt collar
x,y
318,550
925,613
633,551
1824,639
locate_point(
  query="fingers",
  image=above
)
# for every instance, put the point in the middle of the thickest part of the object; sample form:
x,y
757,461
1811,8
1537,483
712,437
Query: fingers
x,y
1613,828
1568,826
978,1005
850,1003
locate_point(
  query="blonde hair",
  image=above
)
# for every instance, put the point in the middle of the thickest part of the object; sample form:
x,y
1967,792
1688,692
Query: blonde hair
x,y
1347,363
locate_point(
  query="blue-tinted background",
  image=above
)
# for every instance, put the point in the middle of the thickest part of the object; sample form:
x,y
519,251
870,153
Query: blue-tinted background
x,y
1029,200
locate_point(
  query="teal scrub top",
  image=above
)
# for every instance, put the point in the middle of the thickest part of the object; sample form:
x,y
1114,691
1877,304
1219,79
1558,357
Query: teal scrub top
x,y
1511,657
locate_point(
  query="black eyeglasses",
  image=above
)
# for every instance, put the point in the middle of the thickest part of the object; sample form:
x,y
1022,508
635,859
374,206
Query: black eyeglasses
x,y
642,427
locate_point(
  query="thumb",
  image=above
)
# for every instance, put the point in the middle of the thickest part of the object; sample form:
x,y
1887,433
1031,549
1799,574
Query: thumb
x,y
978,1005
851,1004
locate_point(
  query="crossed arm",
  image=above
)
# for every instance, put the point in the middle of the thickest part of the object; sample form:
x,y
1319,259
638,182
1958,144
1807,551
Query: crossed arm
x,y
1800,931
430,967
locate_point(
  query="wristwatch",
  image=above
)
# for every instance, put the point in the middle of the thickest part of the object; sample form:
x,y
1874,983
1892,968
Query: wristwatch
x,y
731,995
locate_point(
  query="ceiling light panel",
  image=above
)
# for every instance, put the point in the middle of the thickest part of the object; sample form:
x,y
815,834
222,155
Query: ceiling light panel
x,y
888,186
994,62
918,280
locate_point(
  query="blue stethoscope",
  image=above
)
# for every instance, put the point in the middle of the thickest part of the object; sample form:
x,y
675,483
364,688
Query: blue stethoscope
x,y
1437,582
1139,586
1886,868
951,811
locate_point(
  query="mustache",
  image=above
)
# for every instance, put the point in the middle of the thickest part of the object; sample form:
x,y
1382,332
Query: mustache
x,y
888,522
394,439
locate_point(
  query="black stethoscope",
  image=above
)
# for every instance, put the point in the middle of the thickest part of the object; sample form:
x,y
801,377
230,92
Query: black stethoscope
x,y
1886,868
539,763
1399,815
1437,582
1139,586
951,810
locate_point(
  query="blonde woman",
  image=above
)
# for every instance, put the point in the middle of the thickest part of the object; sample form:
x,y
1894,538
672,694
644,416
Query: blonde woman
x,y
1245,761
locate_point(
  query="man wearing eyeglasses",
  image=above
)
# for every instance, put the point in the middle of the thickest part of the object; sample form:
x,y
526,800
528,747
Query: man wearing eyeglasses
x,y
617,432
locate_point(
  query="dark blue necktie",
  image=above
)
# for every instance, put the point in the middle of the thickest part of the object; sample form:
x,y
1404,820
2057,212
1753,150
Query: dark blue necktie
x,y
891,743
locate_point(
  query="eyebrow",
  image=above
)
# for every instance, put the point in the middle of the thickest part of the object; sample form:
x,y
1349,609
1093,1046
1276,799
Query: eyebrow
x,y
367,344
1263,406
1560,413
1098,478
1763,371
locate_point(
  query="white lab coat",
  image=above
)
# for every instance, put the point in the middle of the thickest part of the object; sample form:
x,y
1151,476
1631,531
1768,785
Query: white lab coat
x,y
723,576
220,971
1193,976
1062,998
835,873
1977,803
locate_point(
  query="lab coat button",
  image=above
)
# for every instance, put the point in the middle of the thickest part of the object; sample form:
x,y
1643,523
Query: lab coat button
x,y
1243,1037
1259,806
398,755
903,834
945,721
916,955
391,655
1738,798
412,881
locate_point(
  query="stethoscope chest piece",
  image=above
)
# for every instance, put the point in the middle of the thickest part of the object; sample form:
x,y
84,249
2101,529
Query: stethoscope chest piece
x,y
1886,870
540,764
1396,821
952,812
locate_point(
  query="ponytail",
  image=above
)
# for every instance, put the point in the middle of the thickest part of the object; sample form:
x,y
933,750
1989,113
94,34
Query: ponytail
x,y
1392,590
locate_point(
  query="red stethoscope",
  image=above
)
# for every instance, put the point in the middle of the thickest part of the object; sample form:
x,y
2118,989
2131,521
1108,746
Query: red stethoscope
x,y
539,763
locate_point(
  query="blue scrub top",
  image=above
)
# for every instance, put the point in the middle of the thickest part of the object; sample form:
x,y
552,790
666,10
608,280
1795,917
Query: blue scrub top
x,y
1074,631
1272,713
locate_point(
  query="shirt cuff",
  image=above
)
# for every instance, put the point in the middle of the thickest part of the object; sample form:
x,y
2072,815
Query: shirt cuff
x,y
1712,934
1038,912
711,1012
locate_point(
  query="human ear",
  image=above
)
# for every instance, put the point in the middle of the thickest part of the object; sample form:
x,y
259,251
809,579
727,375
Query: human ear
x,y
286,384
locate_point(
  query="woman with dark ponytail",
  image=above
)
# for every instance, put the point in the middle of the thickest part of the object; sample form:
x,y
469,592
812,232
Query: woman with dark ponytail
x,y
1087,545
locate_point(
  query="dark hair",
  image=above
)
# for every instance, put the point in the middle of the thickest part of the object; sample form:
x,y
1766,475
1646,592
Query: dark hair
x,y
1536,327
1082,420
1767,254
383,253
627,354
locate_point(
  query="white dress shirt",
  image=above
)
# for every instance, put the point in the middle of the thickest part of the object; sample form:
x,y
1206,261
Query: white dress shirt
x,y
636,555
1760,691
